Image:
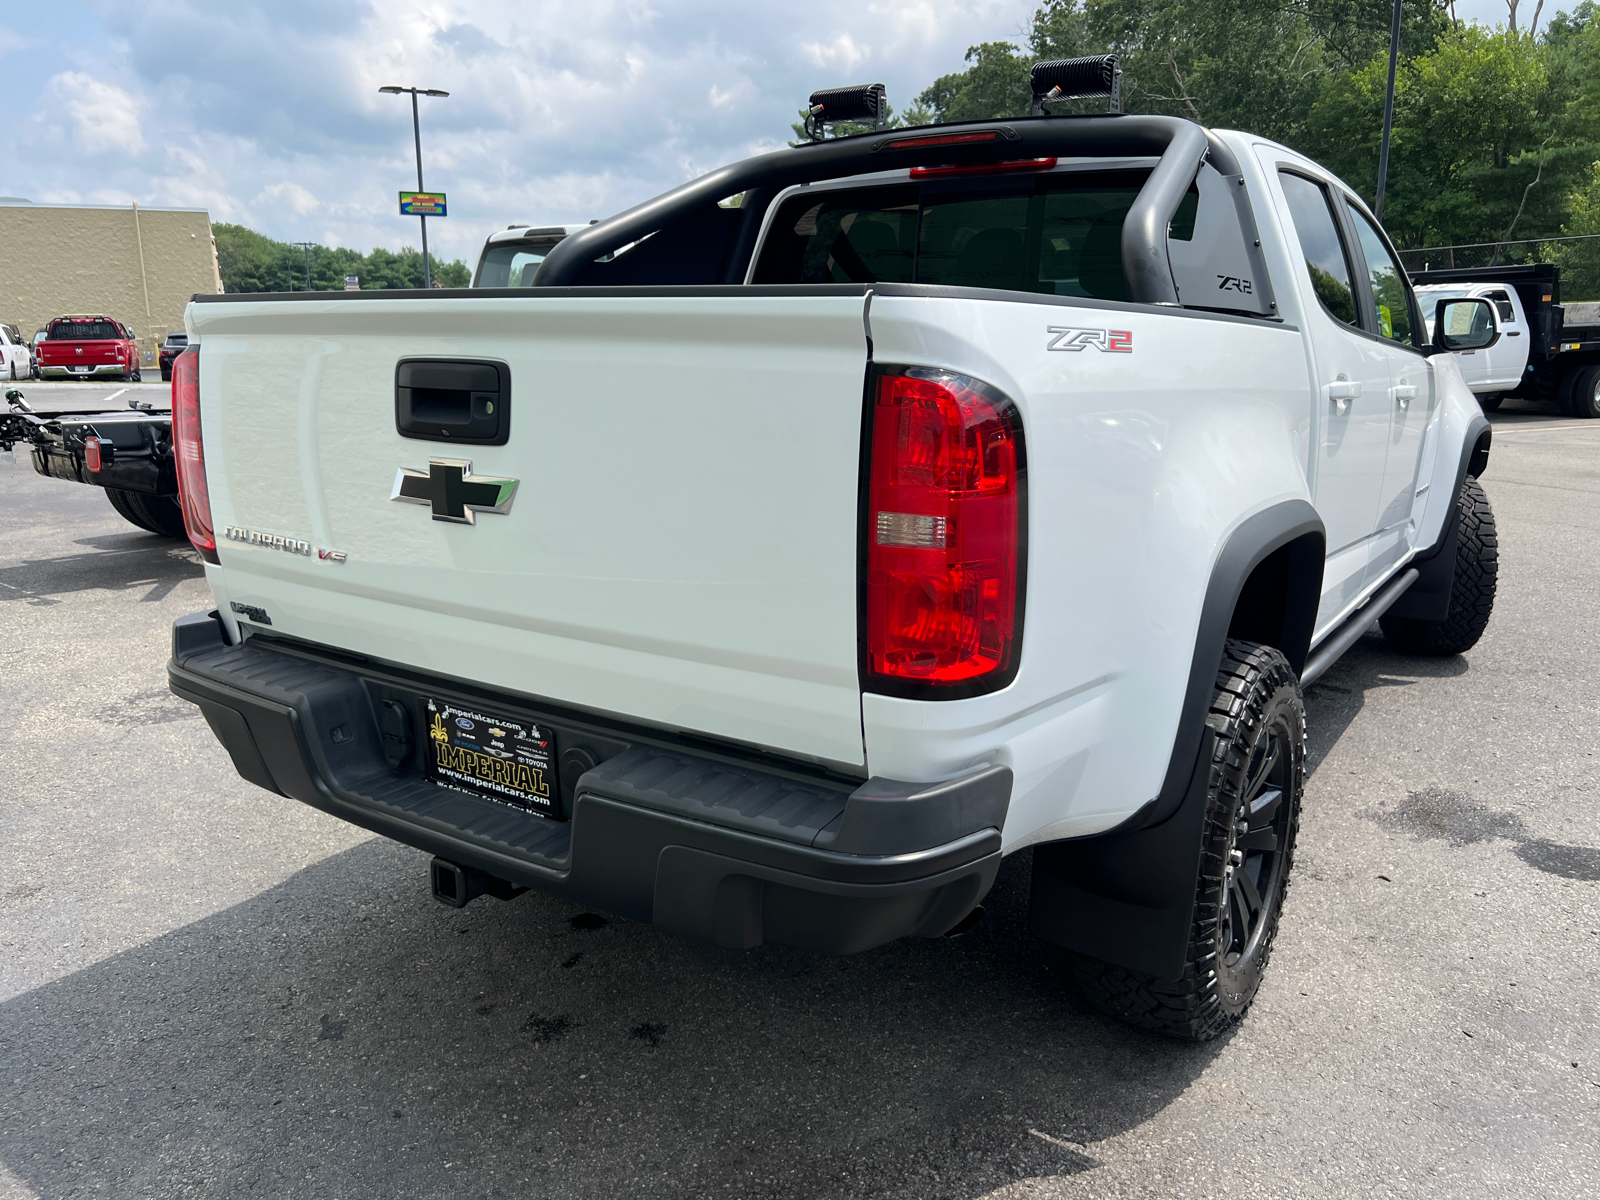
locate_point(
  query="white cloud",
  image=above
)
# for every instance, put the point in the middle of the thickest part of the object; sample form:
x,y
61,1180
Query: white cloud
x,y
104,117
842,53
292,195
557,112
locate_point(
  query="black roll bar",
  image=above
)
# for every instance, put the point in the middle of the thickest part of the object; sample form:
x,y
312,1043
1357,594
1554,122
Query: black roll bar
x,y
1181,145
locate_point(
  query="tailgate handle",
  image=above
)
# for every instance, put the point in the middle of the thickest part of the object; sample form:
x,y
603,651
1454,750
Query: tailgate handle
x,y
453,400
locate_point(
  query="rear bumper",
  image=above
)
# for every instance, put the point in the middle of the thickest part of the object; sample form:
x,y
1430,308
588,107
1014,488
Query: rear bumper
x,y
87,372
699,843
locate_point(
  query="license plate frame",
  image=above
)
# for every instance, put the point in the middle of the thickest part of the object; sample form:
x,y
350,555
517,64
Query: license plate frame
x,y
505,759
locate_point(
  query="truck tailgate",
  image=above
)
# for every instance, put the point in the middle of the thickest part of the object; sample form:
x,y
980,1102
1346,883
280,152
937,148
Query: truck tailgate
x,y
681,548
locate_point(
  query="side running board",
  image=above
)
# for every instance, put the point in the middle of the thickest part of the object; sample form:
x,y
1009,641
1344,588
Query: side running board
x,y
1356,624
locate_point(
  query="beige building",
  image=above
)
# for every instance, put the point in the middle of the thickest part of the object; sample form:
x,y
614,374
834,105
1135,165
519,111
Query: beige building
x,y
136,265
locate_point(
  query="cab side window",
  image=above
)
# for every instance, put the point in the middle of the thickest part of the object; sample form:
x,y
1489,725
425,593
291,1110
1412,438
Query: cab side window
x,y
1502,304
1389,286
1311,211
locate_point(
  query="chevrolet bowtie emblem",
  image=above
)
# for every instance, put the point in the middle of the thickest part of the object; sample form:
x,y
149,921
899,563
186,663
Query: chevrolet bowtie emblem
x,y
454,493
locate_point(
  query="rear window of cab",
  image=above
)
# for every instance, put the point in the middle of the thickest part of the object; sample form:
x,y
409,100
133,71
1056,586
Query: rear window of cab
x,y
1060,235
83,331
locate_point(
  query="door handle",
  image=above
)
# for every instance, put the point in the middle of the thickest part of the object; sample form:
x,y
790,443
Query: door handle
x,y
1513,333
1341,391
1404,394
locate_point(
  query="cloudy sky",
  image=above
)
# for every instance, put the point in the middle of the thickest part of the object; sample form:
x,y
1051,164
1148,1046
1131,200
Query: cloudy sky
x,y
268,114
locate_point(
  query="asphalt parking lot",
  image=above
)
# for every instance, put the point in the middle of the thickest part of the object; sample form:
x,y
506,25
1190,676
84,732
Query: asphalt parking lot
x,y
206,990
72,395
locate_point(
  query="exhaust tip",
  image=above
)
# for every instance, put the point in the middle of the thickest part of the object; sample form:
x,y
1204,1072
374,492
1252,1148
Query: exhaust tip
x,y
966,923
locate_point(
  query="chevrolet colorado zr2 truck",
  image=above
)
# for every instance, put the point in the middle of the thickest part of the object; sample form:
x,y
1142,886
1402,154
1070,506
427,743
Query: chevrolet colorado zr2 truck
x,y
770,571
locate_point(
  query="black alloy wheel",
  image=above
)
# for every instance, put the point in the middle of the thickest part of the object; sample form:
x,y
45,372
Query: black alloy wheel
x,y
1252,873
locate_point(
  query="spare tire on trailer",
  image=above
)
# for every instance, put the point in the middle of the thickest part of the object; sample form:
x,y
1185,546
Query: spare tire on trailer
x,y
158,514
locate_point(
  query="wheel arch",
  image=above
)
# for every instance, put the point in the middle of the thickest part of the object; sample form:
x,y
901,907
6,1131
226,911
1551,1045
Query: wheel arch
x,y
1264,587
1126,896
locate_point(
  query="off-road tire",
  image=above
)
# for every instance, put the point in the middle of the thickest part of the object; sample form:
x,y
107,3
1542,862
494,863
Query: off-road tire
x,y
1471,591
1583,393
158,514
1255,709
1491,404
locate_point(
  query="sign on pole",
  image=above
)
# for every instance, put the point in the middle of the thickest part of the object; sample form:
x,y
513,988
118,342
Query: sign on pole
x,y
422,204
352,283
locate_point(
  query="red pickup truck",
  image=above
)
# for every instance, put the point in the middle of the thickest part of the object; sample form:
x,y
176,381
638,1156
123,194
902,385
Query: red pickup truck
x,y
88,348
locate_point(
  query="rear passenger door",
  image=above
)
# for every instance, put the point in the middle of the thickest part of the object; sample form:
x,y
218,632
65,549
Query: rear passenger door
x,y
1411,387
1351,389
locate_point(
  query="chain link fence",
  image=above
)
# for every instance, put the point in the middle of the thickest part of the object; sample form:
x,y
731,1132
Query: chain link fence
x,y
1578,258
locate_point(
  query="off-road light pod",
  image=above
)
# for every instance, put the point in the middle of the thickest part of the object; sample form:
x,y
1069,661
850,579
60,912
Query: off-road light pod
x,y
1076,78
945,537
866,104
190,453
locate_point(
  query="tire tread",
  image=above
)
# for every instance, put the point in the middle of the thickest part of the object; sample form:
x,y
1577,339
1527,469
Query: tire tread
x,y
1472,590
1192,1006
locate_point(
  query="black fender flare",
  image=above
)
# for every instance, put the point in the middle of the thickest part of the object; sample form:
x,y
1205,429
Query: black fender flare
x,y
1428,599
1127,896
1245,549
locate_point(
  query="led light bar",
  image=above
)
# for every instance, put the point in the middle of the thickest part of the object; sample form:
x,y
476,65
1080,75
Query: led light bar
x,y
1076,79
866,104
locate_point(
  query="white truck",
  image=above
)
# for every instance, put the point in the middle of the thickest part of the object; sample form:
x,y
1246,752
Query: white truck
x,y
962,491
1546,350
511,257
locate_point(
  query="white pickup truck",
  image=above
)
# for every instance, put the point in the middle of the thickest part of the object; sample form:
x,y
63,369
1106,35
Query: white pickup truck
x,y
1544,351
511,257
769,571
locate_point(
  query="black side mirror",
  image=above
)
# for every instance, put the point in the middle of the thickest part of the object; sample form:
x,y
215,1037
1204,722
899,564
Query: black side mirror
x,y
1464,324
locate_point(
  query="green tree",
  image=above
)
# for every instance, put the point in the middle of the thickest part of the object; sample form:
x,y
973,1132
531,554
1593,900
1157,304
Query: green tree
x,y
250,262
1482,150
1580,261
995,84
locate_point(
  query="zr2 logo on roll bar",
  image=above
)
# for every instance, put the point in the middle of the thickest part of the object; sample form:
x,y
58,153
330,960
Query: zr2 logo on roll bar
x,y
1107,341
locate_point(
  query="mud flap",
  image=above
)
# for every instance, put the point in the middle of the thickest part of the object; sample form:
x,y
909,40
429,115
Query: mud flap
x,y
1127,898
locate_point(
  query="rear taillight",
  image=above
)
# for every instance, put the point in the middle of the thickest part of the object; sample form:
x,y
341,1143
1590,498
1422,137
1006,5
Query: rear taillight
x,y
91,453
190,453
944,536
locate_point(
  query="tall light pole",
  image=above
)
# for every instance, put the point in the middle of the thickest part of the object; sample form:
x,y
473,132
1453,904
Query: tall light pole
x,y
416,129
306,246
1388,112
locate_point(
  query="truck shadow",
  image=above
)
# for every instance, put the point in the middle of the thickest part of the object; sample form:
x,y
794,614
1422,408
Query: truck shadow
x,y
343,1034
1335,700
124,562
